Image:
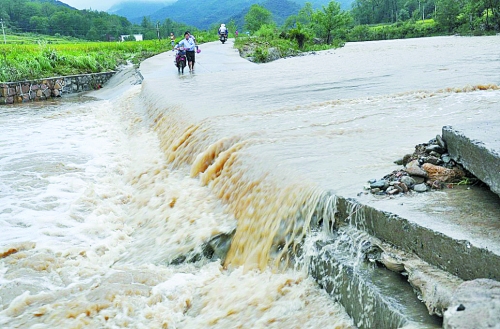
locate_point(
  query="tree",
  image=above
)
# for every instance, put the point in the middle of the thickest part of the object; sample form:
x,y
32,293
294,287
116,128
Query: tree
x,y
256,17
231,26
305,14
93,34
303,17
331,20
299,34
146,23
447,13
39,24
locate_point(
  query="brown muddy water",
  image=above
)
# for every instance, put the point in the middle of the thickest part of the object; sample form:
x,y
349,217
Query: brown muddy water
x,y
99,195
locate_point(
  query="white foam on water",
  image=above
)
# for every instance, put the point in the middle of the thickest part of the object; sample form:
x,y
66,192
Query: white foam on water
x,y
91,216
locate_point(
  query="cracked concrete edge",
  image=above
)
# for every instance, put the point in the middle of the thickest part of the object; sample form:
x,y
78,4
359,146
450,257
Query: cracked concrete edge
x,y
473,146
457,257
434,287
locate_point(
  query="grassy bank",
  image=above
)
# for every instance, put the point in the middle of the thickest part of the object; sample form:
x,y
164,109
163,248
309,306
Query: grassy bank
x,y
48,59
270,43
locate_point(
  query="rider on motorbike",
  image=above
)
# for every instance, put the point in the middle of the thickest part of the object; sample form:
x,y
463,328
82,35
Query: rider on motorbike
x,y
223,30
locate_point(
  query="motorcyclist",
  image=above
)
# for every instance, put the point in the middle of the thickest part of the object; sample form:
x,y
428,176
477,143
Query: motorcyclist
x,y
223,30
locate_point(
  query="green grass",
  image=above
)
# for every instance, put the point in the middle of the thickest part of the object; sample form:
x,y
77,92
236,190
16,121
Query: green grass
x,y
32,58
32,38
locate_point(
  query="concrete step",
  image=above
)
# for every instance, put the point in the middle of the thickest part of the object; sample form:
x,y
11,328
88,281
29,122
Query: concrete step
x,y
476,146
372,295
459,257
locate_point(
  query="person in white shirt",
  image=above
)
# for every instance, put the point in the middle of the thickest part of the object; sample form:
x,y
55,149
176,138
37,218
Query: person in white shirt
x,y
223,30
189,45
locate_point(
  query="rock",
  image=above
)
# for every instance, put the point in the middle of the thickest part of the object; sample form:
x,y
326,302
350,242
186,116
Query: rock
x,y
435,148
429,168
475,304
273,54
441,142
446,158
437,185
392,262
442,174
381,184
391,190
435,154
420,188
414,169
407,158
408,181
418,180
399,162
403,186
434,160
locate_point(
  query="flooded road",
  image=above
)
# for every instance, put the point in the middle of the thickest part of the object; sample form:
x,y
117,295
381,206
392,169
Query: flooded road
x,y
98,196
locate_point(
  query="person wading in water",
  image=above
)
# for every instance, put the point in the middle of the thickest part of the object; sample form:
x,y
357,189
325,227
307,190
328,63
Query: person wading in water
x,y
190,46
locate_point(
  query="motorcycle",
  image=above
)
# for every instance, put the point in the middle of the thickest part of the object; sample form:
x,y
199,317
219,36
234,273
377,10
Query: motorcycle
x,y
223,38
180,59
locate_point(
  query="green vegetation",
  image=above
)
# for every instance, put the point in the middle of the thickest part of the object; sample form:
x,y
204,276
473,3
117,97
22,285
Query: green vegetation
x,y
400,30
451,16
256,17
30,61
309,30
50,17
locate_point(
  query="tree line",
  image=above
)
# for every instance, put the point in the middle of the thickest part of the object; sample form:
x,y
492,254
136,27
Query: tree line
x,y
456,16
52,18
446,16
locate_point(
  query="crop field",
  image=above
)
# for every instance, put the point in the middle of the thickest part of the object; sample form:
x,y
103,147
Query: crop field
x,y
30,58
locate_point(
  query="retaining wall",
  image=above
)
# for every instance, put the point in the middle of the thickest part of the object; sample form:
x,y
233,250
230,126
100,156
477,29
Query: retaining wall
x,y
38,90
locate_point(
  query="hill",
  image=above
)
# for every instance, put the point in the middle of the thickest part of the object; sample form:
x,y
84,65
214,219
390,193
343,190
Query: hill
x,y
138,9
344,4
203,14
56,3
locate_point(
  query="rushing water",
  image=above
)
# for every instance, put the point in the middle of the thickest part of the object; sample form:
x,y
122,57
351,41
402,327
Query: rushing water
x,y
99,196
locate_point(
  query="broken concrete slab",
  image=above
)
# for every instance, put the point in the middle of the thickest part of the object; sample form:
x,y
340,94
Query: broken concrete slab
x,y
476,304
477,148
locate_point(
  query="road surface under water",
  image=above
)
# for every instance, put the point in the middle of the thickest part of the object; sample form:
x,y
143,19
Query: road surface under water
x,y
98,195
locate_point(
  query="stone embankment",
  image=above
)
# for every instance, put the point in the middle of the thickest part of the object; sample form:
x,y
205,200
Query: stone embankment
x,y
43,89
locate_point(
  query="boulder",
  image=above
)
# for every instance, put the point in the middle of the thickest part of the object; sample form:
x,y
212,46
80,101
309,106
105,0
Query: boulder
x,y
442,174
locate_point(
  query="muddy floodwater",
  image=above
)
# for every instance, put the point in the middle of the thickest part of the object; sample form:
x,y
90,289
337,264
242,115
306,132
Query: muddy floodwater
x,y
101,195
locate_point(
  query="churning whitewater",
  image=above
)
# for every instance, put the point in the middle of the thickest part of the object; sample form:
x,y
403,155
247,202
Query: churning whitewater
x,y
91,218
110,204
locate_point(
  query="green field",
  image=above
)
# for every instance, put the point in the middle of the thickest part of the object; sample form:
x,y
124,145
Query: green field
x,y
30,57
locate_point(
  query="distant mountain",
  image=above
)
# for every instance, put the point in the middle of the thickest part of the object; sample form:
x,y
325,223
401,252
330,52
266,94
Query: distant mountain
x,y
344,4
206,13
57,3
201,14
135,10
281,9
